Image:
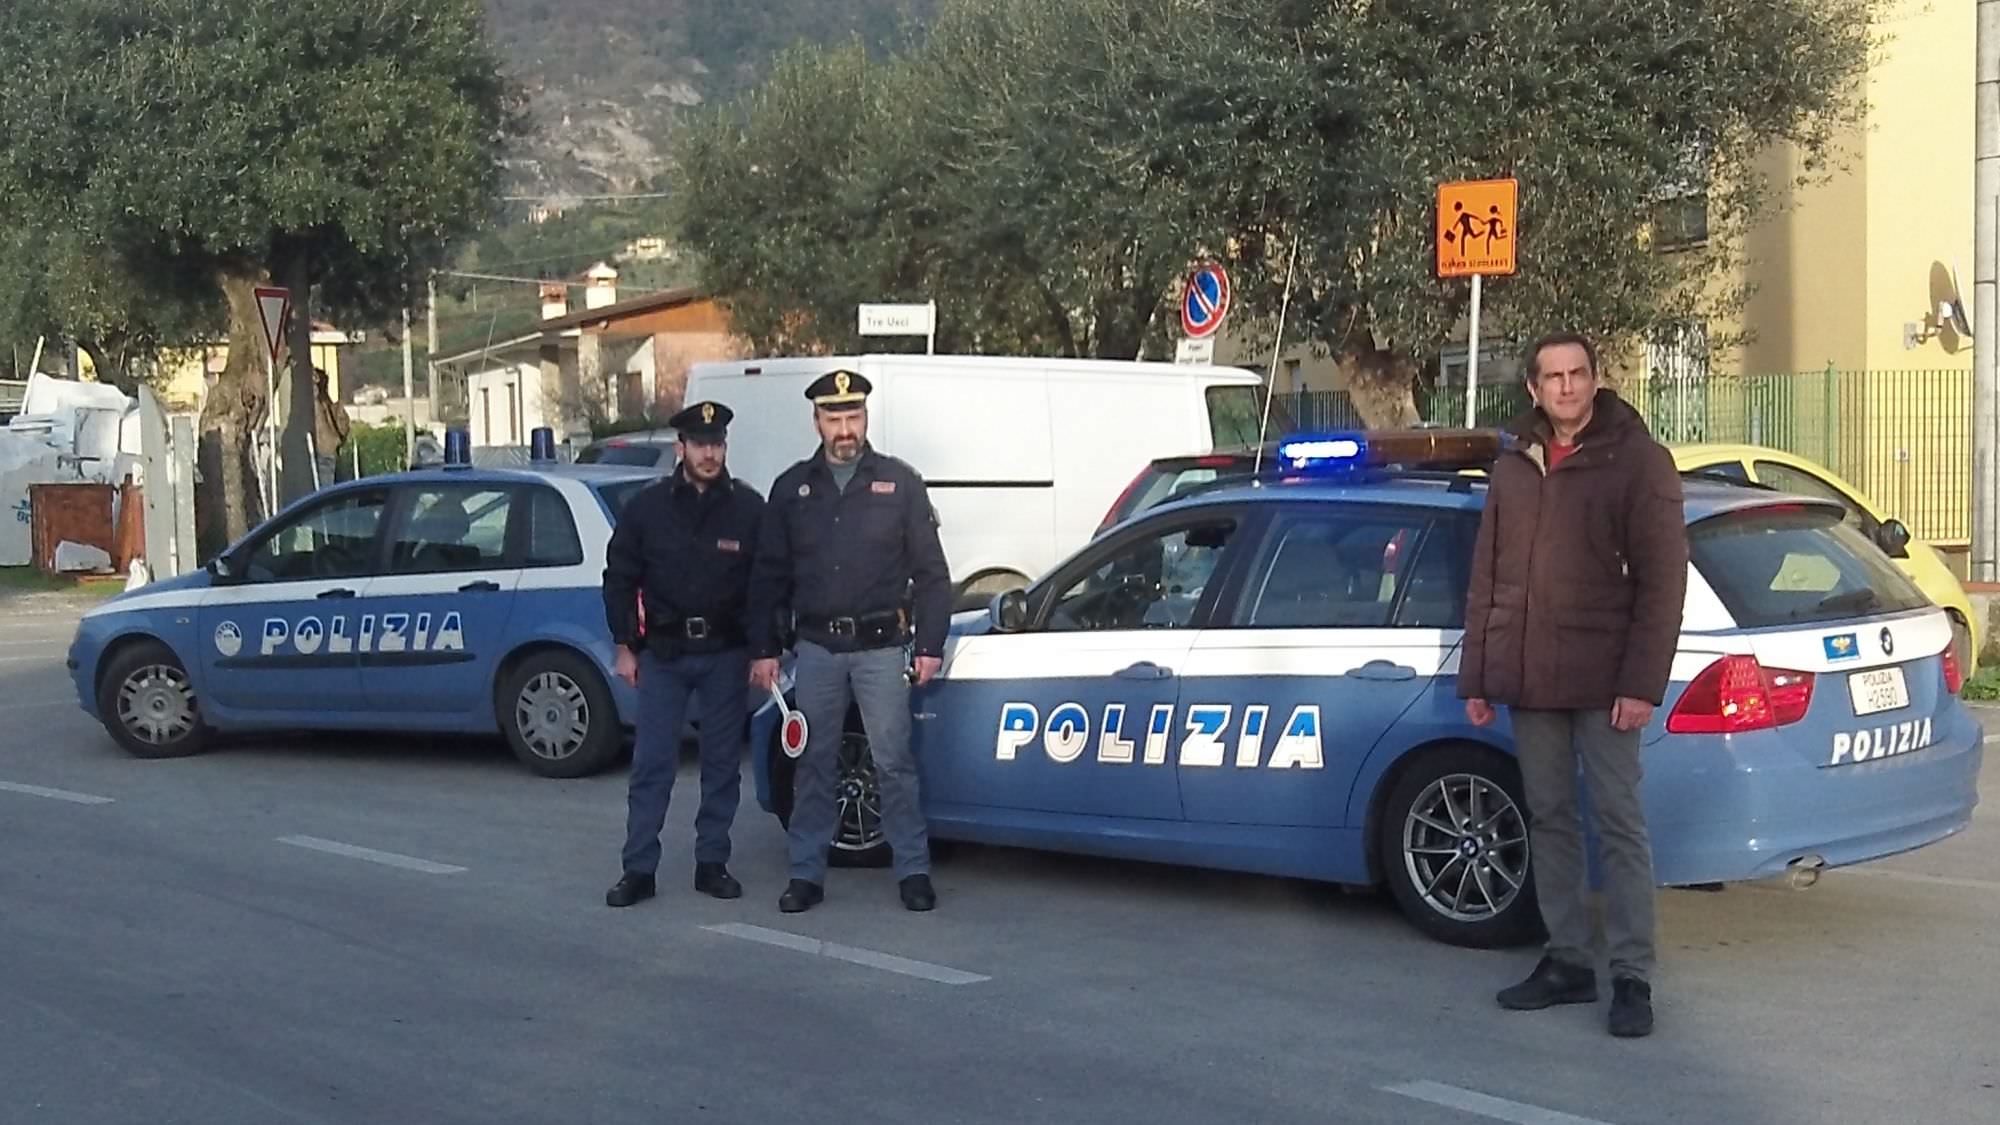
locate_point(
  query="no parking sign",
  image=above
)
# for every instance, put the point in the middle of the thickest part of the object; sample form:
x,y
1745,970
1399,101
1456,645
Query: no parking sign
x,y
1205,301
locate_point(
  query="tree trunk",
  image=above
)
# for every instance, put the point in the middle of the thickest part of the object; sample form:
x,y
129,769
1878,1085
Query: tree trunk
x,y
228,501
302,401
1380,384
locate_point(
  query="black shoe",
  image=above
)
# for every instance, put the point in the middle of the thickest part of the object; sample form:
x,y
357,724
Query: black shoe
x,y
801,896
634,887
714,879
917,893
1631,1008
1552,982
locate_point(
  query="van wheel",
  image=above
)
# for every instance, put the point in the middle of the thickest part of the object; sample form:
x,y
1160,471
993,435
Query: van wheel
x,y
558,715
149,706
857,799
1453,840
978,592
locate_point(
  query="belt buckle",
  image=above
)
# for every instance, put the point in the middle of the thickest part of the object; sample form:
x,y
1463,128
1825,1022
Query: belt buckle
x,y
842,626
696,628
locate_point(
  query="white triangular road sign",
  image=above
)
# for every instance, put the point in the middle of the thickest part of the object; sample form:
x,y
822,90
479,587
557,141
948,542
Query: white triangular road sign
x,y
273,305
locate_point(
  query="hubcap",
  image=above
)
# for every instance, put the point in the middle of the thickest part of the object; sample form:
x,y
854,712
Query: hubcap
x,y
156,704
553,716
857,795
1465,847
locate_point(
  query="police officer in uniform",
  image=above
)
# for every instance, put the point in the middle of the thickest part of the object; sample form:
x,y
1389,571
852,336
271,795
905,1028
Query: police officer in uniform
x,y
849,556
676,584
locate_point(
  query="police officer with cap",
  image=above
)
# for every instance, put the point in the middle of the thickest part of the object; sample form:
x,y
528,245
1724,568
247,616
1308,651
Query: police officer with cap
x,y
676,584
850,557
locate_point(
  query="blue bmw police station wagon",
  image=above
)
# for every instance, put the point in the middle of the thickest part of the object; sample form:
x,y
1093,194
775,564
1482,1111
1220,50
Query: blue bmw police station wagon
x,y
454,599
1262,678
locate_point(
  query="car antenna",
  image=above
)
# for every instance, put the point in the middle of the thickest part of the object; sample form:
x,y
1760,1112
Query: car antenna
x,y
1271,372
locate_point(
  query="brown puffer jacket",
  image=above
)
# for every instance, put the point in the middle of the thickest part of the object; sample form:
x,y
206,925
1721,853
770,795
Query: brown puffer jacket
x,y
1578,575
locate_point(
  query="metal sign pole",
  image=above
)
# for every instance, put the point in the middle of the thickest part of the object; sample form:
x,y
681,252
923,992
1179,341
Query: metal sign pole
x,y
1472,362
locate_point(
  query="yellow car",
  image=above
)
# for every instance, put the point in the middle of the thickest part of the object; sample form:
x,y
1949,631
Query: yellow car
x,y
1797,476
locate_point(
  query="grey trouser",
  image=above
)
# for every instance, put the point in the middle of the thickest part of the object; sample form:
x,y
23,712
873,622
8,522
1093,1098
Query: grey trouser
x,y
825,682
1550,744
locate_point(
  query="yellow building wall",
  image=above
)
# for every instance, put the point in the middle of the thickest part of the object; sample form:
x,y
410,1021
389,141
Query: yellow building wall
x,y
183,381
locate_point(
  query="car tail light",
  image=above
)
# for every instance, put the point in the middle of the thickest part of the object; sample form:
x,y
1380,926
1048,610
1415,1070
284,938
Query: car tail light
x,y
1954,676
1736,694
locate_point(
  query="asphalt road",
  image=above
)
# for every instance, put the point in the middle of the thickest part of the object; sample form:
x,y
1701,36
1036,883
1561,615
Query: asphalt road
x,y
392,930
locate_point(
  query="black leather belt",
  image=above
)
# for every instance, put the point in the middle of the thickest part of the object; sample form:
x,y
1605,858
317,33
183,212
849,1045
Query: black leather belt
x,y
695,629
885,628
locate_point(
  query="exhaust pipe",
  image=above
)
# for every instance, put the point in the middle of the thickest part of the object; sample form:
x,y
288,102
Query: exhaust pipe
x,y
1804,871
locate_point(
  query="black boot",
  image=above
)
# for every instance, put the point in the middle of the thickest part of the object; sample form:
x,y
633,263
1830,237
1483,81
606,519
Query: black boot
x,y
917,893
1552,982
800,896
1631,1007
634,887
714,879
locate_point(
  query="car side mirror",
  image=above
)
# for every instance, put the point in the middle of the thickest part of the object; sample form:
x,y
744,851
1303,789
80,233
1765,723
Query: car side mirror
x,y
221,569
1894,539
1009,611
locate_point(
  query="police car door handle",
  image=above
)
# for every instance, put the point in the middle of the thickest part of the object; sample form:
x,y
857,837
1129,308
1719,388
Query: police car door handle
x,y
483,586
1144,670
337,592
1382,670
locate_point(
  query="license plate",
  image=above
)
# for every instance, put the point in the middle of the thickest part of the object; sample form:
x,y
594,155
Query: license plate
x,y
1878,689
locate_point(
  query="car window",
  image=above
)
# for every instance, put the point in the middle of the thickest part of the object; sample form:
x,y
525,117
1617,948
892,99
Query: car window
x,y
1155,582
452,527
1798,482
1725,470
1334,568
1434,595
619,493
332,540
552,537
1790,565
642,454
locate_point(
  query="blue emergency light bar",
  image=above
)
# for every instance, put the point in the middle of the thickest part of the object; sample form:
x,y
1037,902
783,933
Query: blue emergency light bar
x,y
457,449
1416,449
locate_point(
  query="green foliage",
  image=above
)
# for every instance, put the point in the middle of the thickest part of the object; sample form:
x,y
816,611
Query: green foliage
x,y
1046,169
382,450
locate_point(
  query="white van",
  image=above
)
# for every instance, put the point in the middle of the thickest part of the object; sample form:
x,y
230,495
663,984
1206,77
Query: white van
x,y
1023,456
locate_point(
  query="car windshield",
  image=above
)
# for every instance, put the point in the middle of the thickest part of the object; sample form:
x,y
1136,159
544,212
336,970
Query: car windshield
x,y
618,493
1790,565
1236,417
622,453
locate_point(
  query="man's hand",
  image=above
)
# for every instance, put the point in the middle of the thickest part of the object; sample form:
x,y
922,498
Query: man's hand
x,y
927,667
1630,714
627,666
764,673
1478,712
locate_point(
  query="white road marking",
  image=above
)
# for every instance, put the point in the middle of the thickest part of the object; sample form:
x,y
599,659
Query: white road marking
x,y
387,859
71,796
1486,1105
49,659
887,962
39,705
1916,877
1992,738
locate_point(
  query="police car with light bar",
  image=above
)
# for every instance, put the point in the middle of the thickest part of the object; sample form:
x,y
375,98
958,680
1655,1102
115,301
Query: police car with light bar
x,y
1261,678
455,599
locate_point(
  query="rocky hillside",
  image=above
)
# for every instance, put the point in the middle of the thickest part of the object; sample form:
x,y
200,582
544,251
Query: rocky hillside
x,y
606,79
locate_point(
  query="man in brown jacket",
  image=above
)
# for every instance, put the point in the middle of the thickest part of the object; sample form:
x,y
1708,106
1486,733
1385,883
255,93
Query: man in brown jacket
x,y
1571,622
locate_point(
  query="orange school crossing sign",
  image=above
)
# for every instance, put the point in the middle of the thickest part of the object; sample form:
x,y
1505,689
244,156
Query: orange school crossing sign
x,y
1475,228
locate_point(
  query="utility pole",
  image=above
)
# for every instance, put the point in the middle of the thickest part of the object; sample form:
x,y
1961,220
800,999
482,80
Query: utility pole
x,y
409,395
431,344
1985,308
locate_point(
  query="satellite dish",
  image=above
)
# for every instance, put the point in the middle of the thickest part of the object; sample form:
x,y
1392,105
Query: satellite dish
x,y
1952,312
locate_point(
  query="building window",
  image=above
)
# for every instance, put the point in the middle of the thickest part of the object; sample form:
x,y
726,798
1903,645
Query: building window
x,y
1680,221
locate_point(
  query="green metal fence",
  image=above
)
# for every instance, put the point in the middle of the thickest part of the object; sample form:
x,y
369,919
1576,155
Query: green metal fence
x,y
1903,438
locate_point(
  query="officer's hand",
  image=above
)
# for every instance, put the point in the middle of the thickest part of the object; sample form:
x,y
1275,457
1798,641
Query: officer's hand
x,y
1478,712
764,674
1630,714
927,667
627,666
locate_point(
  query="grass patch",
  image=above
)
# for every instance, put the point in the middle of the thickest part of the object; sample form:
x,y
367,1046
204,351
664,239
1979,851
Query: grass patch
x,y
28,580
1984,687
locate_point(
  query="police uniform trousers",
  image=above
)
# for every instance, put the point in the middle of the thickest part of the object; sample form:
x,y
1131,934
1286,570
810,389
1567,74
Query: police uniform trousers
x,y
720,682
825,682
1551,746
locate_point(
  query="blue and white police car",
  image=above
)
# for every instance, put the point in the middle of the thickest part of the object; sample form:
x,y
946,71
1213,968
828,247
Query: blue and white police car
x,y
1262,678
453,599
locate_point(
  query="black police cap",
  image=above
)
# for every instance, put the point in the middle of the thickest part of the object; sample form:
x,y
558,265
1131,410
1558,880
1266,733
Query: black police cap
x,y
840,390
703,420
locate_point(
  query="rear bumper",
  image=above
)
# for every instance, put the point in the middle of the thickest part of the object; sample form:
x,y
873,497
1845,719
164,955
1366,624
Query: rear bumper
x,y
1723,813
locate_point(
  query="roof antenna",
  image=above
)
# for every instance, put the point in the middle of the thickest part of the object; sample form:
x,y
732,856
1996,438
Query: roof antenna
x,y
1271,372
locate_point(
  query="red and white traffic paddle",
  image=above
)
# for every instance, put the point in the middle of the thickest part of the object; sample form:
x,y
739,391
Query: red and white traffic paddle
x,y
792,734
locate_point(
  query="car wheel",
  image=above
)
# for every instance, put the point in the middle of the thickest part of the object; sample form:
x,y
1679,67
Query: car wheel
x,y
857,799
149,705
1453,840
558,715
